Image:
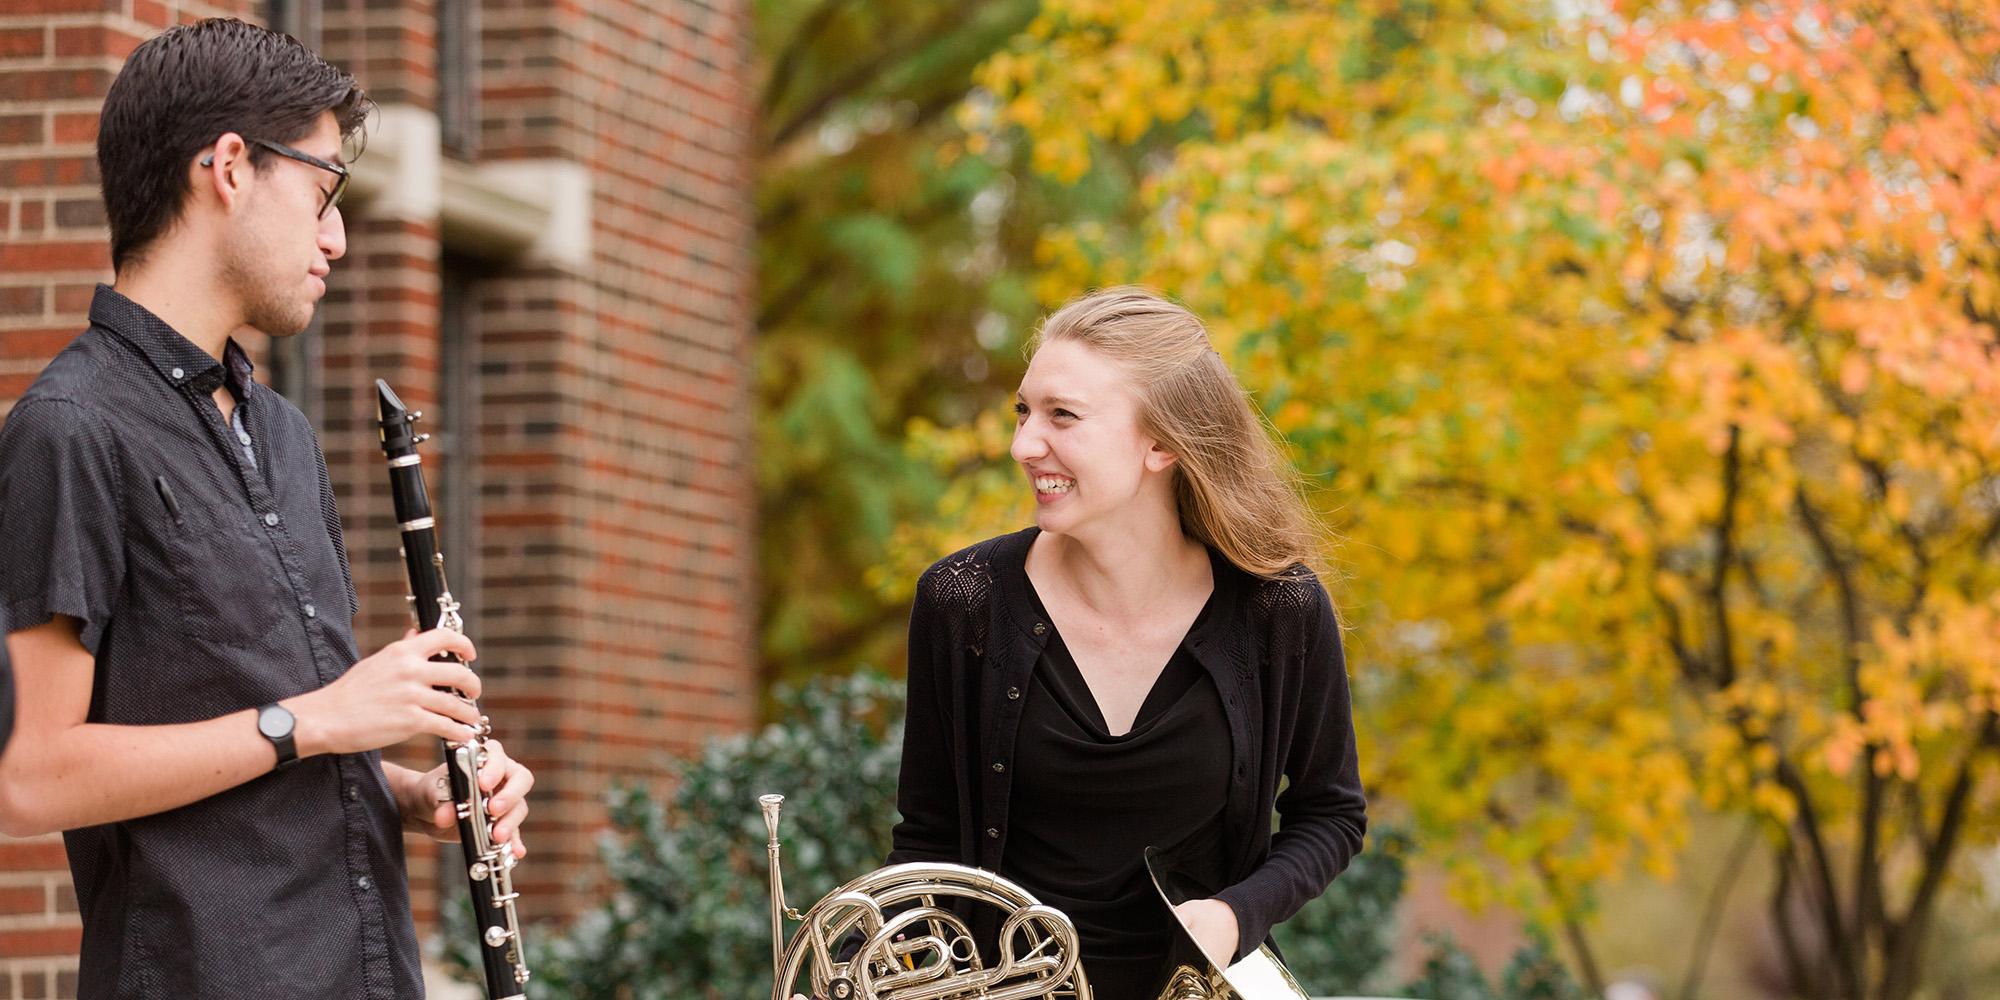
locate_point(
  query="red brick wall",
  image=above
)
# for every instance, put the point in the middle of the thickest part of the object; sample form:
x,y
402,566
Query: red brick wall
x,y
614,488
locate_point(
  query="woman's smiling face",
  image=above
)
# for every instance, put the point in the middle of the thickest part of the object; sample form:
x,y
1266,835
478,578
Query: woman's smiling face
x,y
1078,438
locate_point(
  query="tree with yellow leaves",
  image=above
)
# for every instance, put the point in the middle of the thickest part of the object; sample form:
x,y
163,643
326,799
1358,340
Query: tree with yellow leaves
x,y
1645,356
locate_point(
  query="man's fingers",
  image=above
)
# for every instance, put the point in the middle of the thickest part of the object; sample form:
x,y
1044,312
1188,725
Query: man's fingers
x,y
456,676
444,640
513,787
509,825
445,819
451,707
493,768
437,710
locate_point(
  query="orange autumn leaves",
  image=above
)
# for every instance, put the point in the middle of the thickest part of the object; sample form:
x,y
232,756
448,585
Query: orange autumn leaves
x,y
1645,360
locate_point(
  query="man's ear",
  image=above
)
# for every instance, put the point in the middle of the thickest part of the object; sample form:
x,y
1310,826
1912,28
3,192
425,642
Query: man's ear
x,y
224,170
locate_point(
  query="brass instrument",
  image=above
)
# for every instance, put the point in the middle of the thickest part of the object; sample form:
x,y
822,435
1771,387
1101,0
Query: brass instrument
x,y
912,948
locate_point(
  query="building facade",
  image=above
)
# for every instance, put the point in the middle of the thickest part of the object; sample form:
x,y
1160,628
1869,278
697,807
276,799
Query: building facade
x,y
550,252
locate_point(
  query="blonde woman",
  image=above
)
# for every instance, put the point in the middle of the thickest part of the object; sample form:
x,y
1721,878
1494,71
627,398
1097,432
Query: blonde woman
x,y
1143,667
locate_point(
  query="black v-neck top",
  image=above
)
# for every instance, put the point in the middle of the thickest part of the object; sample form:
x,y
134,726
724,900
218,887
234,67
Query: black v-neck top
x,y
1086,805
1271,647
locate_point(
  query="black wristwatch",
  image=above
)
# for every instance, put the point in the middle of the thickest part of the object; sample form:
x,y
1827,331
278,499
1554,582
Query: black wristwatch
x,y
275,723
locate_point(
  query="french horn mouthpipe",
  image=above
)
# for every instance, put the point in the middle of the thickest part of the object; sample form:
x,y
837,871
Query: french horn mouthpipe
x,y
771,804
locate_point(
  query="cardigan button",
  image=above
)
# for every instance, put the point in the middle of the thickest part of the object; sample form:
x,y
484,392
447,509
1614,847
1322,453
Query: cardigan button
x,y
1013,694
1041,629
992,833
999,768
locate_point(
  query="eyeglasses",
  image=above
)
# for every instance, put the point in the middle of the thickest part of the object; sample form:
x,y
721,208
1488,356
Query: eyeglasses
x,y
338,171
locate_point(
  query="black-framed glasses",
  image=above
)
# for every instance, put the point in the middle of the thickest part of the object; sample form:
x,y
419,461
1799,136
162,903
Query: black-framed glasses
x,y
338,171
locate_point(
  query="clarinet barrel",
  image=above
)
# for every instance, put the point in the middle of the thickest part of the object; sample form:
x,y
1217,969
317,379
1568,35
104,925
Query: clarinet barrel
x,y
489,868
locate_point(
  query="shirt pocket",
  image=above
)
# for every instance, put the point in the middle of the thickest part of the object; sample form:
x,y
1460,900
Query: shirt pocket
x,y
229,588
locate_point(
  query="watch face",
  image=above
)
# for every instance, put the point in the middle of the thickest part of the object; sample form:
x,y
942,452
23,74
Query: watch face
x,y
275,722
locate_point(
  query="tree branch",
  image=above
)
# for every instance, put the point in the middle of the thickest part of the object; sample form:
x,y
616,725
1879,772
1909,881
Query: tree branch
x,y
1711,921
787,63
1593,980
1990,535
1837,940
1906,936
866,72
1868,914
1692,668
1586,959
1725,549
1481,492
1920,572
1796,970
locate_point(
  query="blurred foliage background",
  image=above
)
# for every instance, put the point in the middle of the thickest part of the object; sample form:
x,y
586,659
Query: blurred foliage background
x,y
1643,354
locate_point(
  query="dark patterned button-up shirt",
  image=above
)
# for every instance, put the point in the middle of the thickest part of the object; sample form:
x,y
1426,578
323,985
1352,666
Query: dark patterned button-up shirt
x,y
6,685
205,584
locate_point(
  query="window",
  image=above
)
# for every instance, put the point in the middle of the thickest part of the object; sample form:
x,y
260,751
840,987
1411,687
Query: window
x,y
293,367
458,77
297,18
456,431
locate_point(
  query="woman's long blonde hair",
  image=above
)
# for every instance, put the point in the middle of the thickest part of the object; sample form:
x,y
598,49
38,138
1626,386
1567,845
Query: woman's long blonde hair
x,y
1235,490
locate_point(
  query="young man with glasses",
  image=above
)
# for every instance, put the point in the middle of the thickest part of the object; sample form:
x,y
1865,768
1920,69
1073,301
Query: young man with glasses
x,y
193,712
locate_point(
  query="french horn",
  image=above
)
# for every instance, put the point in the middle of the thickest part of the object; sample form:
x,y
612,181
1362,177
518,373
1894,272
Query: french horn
x,y
912,945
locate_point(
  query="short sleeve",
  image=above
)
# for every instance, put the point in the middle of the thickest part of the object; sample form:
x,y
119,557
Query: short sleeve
x,y
62,548
6,687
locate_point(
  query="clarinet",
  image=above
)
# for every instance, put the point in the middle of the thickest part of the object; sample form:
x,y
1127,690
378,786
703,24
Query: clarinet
x,y
489,868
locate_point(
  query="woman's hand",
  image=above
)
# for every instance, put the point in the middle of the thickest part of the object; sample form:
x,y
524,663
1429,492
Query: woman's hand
x,y
1212,924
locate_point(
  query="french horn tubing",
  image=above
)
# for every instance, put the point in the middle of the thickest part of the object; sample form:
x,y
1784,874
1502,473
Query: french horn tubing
x,y
913,946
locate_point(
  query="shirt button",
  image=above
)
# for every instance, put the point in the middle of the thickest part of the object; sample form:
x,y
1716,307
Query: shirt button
x,y
364,883
243,436
271,519
992,833
1041,629
353,792
1013,694
999,768
311,611
178,374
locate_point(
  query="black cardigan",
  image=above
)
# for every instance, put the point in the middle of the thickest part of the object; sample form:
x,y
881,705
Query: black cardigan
x,y
1273,649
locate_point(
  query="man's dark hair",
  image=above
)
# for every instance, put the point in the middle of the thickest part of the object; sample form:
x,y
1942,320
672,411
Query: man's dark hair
x,y
185,87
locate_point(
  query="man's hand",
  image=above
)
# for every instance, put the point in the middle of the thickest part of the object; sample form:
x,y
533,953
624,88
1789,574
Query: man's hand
x,y
1212,924
390,697
428,809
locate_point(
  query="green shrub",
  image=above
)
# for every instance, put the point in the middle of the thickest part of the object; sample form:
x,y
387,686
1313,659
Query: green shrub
x,y
689,912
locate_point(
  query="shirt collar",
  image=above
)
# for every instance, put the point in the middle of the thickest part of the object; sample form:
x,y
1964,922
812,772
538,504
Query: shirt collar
x,y
178,360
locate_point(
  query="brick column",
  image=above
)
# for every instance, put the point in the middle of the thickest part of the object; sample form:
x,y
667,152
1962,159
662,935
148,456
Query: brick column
x,y
615,501
616,489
